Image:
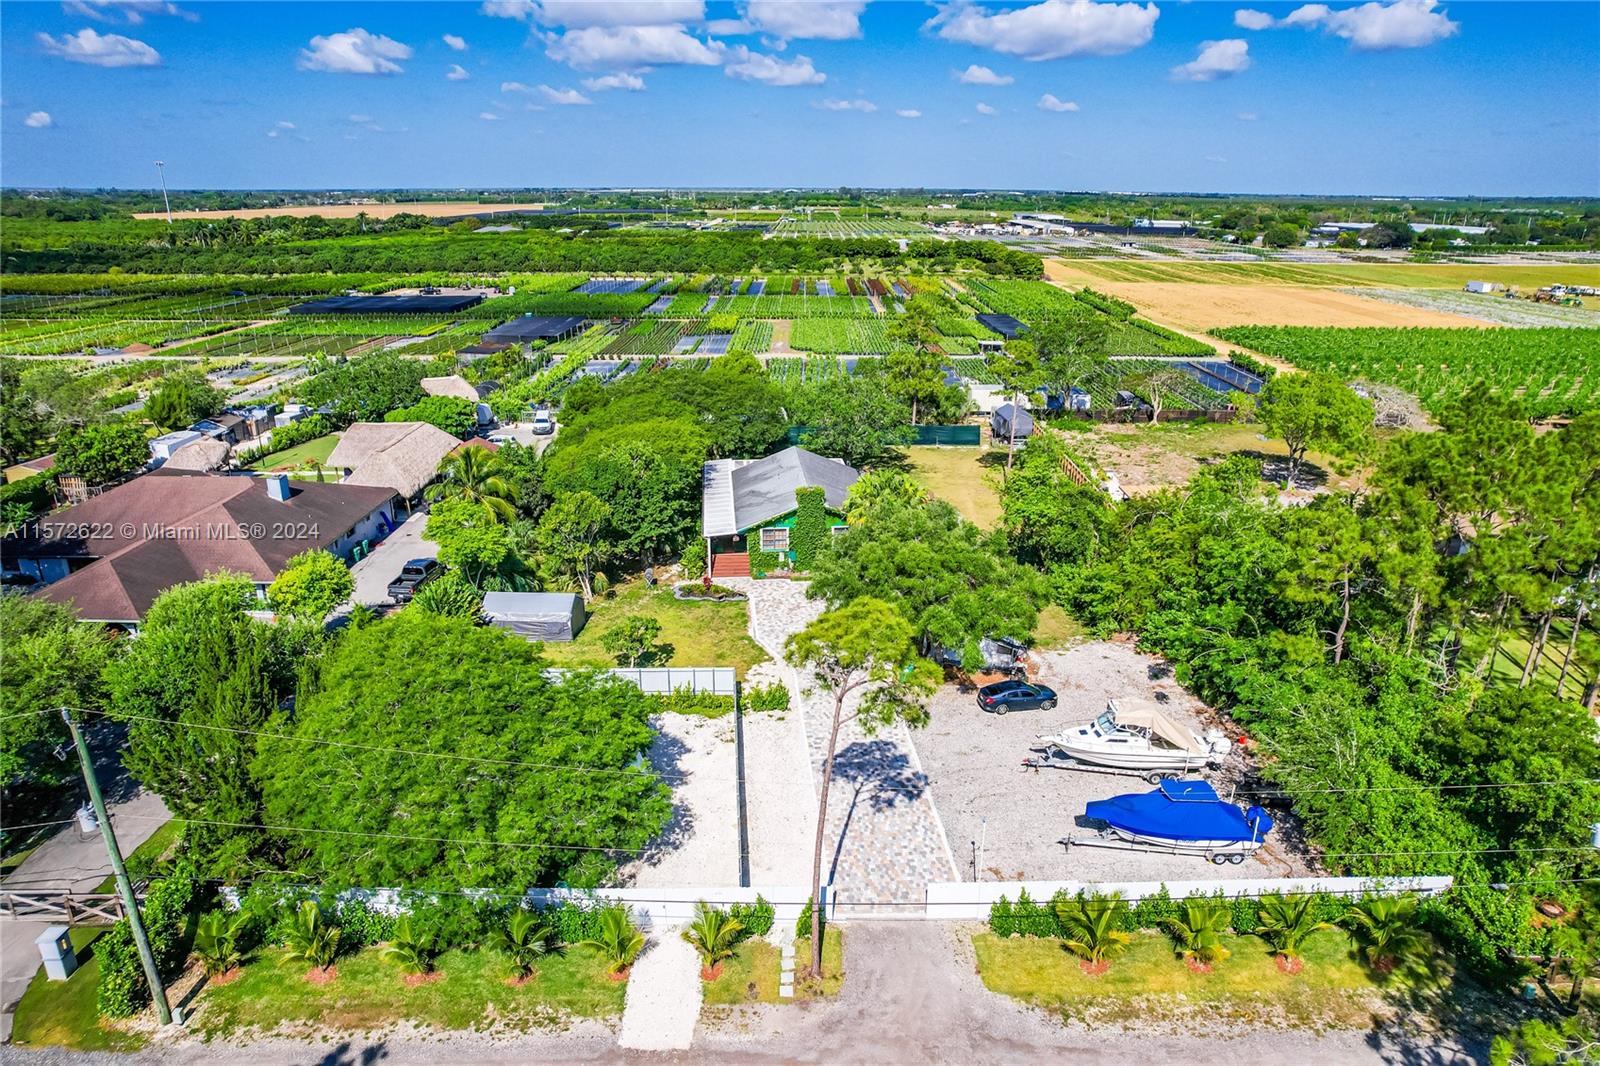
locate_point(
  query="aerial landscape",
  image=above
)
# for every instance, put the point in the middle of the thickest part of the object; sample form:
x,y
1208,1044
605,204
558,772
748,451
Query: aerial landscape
x,y
799,531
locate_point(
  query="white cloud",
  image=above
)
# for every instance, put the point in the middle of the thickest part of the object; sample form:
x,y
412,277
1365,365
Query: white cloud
x,y
1369,27
284,128
457,44
754,66
985,109
823,20
631,47
835,104
285,125
132,12
1246,116
355,51
1216,159
361,119
521,10
39,120
1217,59
1049,102
457,72
581,14
631,82
488,116
909,112
976,75
100,49
1052,29
565,97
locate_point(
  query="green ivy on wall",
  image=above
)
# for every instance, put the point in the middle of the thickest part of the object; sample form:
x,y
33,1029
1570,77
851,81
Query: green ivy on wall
x,y
811,524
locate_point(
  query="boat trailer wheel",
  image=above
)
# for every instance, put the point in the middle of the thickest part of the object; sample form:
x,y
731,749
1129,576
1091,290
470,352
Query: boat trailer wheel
x,y
1158,776
1219,860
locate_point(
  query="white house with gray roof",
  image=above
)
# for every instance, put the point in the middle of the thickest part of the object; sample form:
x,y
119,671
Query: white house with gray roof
x,y
741,498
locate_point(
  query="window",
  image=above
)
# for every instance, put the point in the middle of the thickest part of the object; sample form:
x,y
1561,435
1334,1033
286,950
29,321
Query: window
x,y
775,539
838,528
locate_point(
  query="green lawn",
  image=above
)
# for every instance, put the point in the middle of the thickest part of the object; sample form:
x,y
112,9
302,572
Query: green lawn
x,y
142,861
471,993
751,976
700,633
300,456
1507,665
958,476
1334,988
62,1014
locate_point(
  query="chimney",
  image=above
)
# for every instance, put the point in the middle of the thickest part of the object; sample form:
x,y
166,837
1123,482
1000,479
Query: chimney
x,y
278,487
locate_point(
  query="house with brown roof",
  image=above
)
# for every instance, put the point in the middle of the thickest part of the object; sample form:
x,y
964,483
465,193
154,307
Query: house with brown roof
x,y
403,456
112,555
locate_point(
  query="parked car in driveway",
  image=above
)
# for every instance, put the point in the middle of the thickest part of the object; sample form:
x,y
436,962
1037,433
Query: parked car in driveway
x,y
544,423
1003,696
413,575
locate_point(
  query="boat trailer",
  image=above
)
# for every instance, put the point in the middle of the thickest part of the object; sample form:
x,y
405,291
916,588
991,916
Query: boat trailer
x,y
1053,761
1220,855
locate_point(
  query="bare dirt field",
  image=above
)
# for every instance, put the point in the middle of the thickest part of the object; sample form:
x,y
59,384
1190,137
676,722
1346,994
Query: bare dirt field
x,y
431,210
990,803
1389,274
1150,458
1201,307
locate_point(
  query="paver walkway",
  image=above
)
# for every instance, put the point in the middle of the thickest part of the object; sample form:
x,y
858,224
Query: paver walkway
x,y
664,993
884,842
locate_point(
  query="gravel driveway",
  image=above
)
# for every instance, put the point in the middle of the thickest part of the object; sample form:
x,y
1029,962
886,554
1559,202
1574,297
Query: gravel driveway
x,y
1015,817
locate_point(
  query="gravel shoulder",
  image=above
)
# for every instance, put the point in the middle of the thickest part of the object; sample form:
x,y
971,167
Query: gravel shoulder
x,y
700,845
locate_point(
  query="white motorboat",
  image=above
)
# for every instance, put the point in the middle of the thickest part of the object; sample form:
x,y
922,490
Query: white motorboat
x,y
1138,737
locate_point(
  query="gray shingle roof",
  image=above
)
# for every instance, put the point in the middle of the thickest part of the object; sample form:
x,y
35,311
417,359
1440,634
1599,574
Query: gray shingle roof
x,y
739,494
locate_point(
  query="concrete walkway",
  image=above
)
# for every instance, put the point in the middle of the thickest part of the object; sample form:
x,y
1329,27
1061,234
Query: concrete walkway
x,y
664,994
884,841
72,861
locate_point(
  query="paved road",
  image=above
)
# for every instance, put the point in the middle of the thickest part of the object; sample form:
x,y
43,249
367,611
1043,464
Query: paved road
x,y
73,861
910,996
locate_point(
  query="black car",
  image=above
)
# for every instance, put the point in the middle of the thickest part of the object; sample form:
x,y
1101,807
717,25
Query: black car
x,y
1003,696
413,575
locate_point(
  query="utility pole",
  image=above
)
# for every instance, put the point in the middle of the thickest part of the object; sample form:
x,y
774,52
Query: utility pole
x,y
161,168
158,991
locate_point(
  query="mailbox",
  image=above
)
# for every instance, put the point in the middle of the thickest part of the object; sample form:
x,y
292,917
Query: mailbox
x,y
55,947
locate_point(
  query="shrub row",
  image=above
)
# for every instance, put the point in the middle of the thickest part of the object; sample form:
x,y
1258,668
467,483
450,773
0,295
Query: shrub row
x,y
123,989
1026,917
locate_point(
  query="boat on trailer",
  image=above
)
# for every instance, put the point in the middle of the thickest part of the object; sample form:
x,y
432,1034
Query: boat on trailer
x,y
1180,817
1135,736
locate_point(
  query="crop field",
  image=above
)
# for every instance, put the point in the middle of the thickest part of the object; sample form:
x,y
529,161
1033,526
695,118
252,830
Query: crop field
x,y
790,306
1494,310
828,226
752,335
809,370
647,338
1556,370
975,369
1032,301
847,336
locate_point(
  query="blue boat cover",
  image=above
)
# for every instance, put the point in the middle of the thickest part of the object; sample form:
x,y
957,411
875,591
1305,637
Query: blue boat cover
x,y
1181,810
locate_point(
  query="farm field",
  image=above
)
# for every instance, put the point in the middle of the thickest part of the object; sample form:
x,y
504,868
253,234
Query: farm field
x,y
1200,307
1148,459
1553,369
1388,275
430,210
1492,310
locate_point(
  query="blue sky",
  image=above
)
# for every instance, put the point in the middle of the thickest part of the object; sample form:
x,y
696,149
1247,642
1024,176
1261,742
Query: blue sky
x,y
1389,96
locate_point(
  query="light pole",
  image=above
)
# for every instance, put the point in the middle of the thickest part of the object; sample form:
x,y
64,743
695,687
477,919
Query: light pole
x,y
161,169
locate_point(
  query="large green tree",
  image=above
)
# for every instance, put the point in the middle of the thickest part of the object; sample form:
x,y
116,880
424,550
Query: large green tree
x,y
473,765
48,660
1315,411
863,656
102,452
852,417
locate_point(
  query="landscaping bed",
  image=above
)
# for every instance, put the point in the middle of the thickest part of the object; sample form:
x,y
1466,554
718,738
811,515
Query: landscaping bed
x,y
709,593
751,976
1149,982
473,991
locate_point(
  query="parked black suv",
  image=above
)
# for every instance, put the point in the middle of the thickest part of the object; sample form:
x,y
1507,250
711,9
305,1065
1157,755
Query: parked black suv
x,y
413,576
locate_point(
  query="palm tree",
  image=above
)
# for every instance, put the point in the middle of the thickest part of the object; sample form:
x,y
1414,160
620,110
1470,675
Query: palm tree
x,y
1286,922
1092,929
1198,930
617,941
713,934
412,950
525,939
311,939
475,475
216,942
1386,928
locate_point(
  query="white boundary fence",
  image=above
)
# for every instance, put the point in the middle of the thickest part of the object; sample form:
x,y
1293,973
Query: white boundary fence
x,y
665,680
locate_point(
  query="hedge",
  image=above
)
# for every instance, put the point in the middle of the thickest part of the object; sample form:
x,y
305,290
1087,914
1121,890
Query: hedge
x,y
767,698
1028,918
811,524
123,989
